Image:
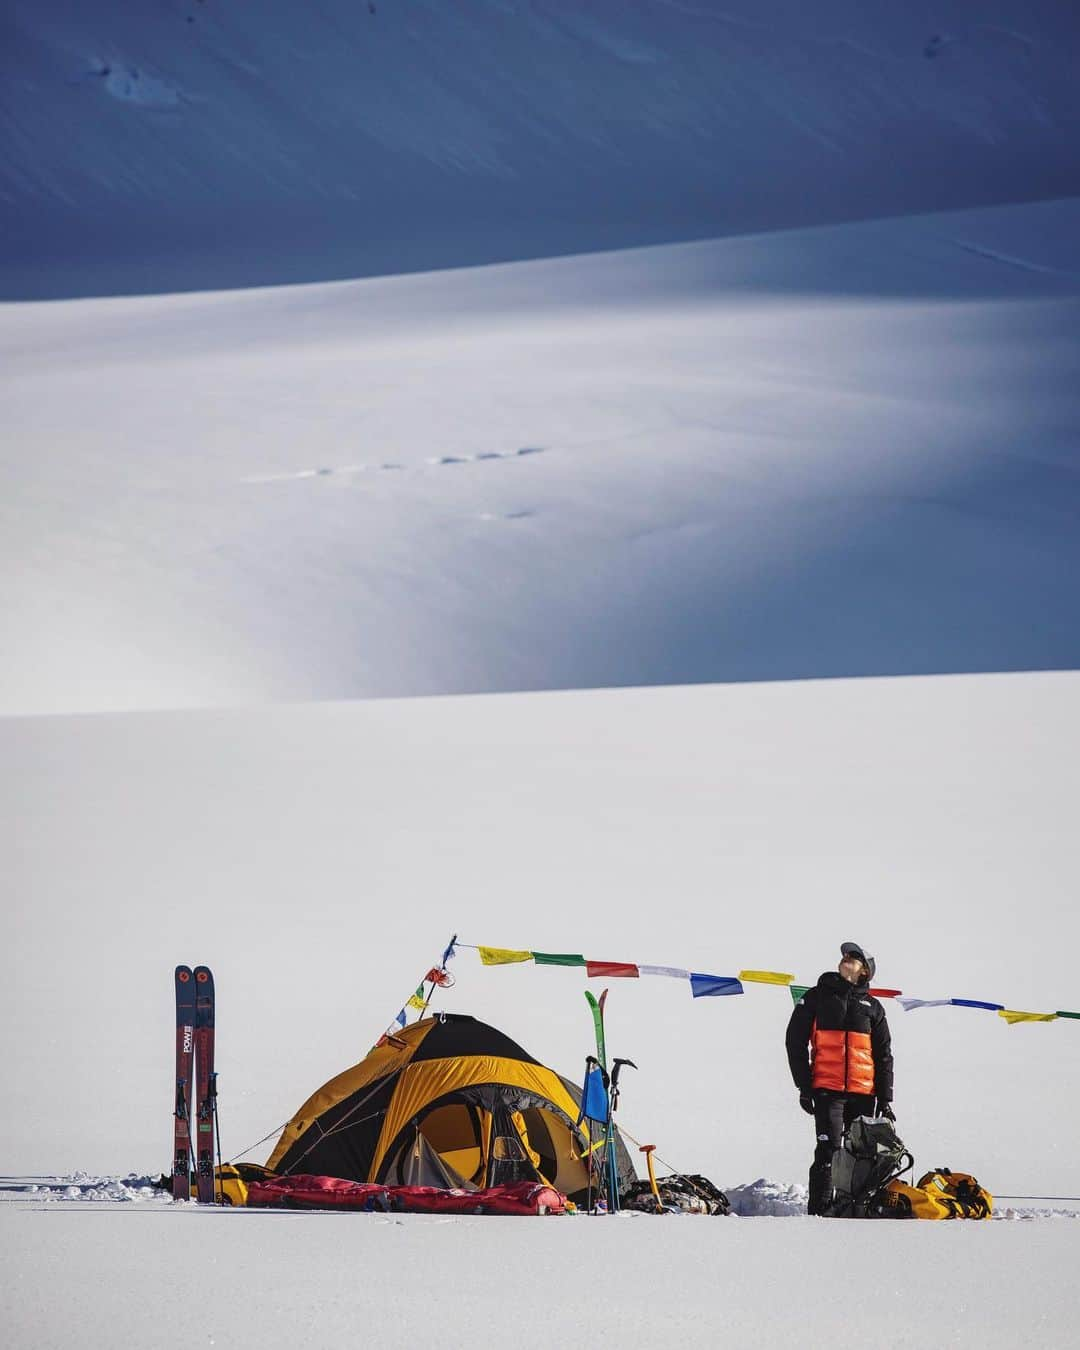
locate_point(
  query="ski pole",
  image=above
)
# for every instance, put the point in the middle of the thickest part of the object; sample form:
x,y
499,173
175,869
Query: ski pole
x,y
217,1132
613,1161
594,1099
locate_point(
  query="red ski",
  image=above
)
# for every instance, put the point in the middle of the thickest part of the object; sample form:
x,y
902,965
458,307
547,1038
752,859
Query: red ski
x,y
204,1084
185,1049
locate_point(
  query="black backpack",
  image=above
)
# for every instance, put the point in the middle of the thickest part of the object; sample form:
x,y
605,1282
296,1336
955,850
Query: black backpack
x,y
685,1195
871,1155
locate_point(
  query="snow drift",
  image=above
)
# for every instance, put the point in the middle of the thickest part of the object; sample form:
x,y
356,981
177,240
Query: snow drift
x,y
833,452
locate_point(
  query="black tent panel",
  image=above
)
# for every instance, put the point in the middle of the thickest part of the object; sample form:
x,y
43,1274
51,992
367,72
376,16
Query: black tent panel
x,y
455,1035
342,1141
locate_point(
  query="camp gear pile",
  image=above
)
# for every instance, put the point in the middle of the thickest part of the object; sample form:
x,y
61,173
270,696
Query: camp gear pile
x,y
866,1182
677,1195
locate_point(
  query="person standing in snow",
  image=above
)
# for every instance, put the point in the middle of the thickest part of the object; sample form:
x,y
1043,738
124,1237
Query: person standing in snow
x,y
849,1069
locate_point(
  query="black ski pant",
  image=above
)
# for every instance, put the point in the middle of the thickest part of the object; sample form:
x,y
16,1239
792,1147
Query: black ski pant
x,y
833,1113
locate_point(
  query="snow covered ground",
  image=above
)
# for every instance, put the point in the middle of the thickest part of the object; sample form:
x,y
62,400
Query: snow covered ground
x,y
288,1279
319,857
328,851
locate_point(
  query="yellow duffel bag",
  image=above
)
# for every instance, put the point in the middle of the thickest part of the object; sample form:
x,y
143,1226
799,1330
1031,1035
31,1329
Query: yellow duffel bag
x,y
940,1194
231,1182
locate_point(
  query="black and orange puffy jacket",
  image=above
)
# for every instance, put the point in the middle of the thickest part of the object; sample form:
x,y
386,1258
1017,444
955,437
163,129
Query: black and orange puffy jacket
x,y
845,1030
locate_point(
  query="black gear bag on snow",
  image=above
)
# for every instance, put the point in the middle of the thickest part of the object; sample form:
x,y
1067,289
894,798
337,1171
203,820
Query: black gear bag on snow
x,y
678,1195
872,1154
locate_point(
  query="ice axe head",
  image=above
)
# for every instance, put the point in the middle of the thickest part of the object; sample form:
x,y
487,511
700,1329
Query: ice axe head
x,y
647,1149
617,1065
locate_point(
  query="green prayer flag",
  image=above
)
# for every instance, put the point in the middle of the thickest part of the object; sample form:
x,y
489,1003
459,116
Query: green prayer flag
x,y
557,959
797,991
1067,1014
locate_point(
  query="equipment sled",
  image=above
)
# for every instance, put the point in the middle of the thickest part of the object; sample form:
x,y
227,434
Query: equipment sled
x,y
313,1192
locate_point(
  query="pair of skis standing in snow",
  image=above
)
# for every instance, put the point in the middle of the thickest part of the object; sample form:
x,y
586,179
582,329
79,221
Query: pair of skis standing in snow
x,y
196,1085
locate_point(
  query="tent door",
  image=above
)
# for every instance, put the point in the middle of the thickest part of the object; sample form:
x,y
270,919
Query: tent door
x,y
508,1159
418,1164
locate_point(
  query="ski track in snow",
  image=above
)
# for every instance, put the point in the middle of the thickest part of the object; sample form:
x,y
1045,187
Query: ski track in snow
x,y
1008,260
436,461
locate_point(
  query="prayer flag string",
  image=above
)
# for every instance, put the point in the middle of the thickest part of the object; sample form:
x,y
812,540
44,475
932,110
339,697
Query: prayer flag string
x,y
438,977
714,986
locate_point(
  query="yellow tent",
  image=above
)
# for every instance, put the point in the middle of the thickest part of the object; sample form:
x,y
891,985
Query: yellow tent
x,y
448,1101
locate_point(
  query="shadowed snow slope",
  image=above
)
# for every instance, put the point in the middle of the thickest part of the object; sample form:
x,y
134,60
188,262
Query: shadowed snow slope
x,y
199,145
841,451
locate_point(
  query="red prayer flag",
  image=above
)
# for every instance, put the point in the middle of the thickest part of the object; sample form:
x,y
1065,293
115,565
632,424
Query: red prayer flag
x,y
886,993
602,970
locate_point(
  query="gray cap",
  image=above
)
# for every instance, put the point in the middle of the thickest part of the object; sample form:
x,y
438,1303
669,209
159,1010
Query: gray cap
x,y
853,949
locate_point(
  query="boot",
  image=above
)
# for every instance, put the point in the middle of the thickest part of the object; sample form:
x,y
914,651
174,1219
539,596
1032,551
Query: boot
x,y
820,1188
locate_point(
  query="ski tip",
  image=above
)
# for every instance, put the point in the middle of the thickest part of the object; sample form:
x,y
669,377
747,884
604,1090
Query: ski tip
x,y
184,974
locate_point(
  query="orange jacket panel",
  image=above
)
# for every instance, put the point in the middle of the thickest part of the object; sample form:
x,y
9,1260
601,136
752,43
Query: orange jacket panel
x,y
841,1061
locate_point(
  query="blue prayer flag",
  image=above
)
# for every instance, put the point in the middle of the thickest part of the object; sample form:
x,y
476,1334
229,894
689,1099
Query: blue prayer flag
x,y
713,986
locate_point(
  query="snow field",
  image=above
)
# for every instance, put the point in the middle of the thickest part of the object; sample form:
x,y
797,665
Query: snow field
x,y
337,847
289,1279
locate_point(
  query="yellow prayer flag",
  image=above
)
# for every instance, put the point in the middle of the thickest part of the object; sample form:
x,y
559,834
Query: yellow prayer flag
x,y
1012,1017
765,977
499,956
416,1002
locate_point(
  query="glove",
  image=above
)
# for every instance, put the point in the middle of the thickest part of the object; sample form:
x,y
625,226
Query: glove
x,y
885,1109
806,1102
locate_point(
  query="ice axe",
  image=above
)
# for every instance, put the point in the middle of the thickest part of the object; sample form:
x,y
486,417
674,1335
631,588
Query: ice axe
x,y
615,1079
649,1150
